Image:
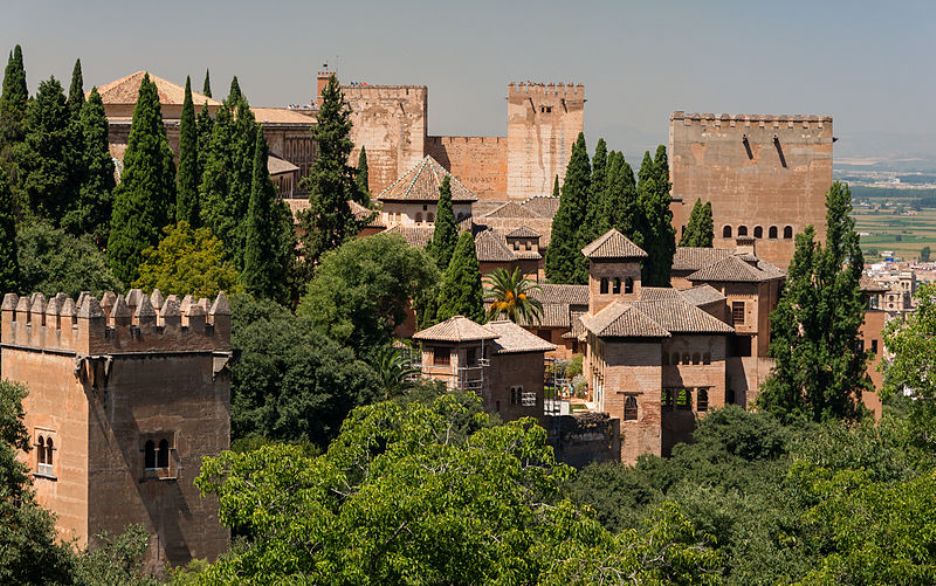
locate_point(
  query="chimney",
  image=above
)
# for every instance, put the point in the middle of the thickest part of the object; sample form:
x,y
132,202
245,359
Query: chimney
x,y
745,245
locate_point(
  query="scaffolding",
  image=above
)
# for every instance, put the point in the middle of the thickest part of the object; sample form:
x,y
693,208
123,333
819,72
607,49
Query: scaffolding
x,y
556,388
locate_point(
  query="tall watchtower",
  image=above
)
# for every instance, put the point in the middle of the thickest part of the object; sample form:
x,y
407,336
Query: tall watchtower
x,y
543,121
613,270
127,394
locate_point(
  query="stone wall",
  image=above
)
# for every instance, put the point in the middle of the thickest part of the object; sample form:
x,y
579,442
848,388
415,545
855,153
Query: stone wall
x,y
580,440
479,162
543,121
758,171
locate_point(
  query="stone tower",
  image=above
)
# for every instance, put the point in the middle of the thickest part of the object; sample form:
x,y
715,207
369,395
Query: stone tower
x,y
543,121
126,396
613,270
767,176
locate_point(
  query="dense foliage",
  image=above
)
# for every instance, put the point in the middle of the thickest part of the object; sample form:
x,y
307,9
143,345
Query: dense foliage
x,y
510,297
91,212
564,260
460,291
700,232
186,205
9,261
445,231
658,237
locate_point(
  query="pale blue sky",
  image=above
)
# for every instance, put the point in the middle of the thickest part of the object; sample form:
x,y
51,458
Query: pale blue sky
x,y
868,64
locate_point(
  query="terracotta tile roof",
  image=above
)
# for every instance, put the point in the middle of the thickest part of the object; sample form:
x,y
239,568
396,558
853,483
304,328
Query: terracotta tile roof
x,y
542,206
512,339
693,259
669,309
578,328
507,225
563,294
362,213
523,232
419,236
613,244
126,89
455,329
623,320
278,166
484,206
702,295
421,183
491,247
870,286
281,116
511,209
734,269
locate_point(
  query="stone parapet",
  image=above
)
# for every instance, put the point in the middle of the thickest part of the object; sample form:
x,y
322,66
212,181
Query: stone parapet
x,y
114,324
761,120
566,90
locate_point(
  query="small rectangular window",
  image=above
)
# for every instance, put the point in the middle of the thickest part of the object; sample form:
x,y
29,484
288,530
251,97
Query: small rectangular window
x,y
874,346
441,356
737,312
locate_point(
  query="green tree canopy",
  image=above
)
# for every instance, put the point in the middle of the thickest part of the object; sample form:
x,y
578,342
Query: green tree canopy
x,y
619,206
362,289
76,97
145,198
460,291
596,205
361,179
14,101
510,294
700,232
330,182
656,222
564,260
187,261
186,204
445,232
820,364
206,85
9,263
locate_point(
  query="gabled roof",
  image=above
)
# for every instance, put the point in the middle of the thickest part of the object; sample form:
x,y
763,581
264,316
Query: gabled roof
x,y
278,166
511,209
702,295
736,270
870,286
126,89
418,236
613,244
421,183
623,320
669,309
512,339
694,258
455,329
491,247
542,205
563,294
523,232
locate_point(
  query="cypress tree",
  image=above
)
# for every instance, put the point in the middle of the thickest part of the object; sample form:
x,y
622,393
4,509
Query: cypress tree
x,y
206,86
13,101
555,191
330,182
460,291
621,199
819,372
9,263
187,175
445,234
597,200
266,257
46,158
656,223
90,214
234,94
145,197
361,179
700,232
76,97
564,260
204,126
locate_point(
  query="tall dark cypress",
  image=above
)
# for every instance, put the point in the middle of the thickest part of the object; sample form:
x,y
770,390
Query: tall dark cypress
x,y
91,211
234,94
330,182
555,191
596,195
144,200
206,86
564,260
46,158
656,224
9,263
13,101
187,174
266,257
361,179
445,233
700,231
620,199
76,92
460,292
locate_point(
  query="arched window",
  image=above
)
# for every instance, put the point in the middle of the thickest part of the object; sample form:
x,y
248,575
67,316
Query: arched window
x,y
758,232
149,455
430,217
516,245
40,449
628,285
742,230
772,232
617,286
686,359
707,358
162,456
684,399
419,217
702,399
675,359
49,448
726,232
787,232
630,408
697,358
604,285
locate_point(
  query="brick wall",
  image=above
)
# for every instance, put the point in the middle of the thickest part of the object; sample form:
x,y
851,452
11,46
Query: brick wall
x,y
480,162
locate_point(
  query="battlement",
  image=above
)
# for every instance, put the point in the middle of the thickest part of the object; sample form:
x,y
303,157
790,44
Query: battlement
x,y
358,91
751,120
133,323
466,140
562,90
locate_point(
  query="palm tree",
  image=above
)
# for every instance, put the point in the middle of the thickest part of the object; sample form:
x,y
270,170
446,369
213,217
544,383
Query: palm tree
x,y
509,293
395,372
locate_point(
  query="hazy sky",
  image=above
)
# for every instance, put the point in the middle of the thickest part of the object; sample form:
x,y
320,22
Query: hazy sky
x,y
868,64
